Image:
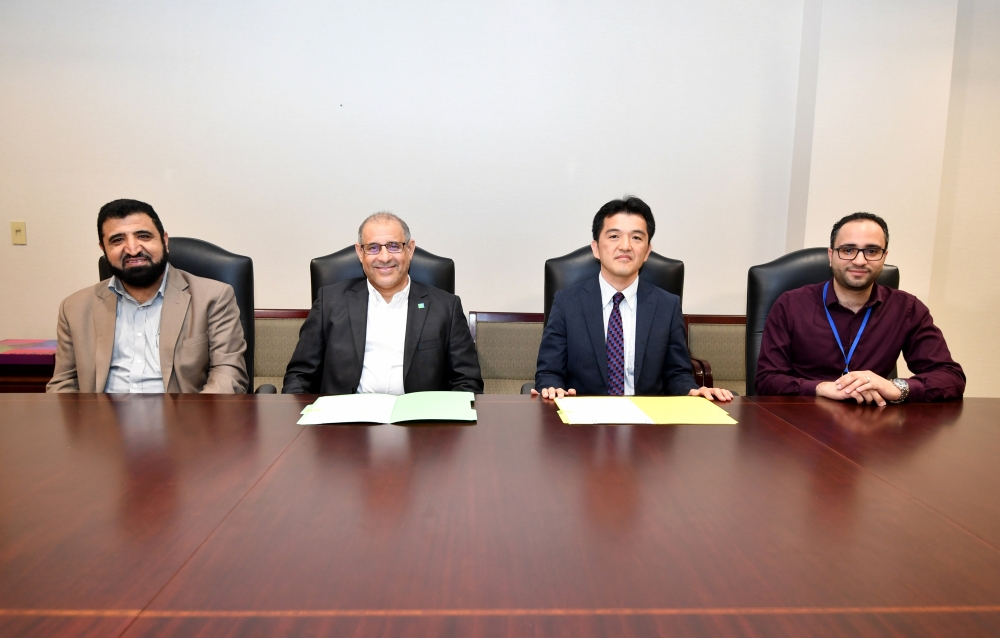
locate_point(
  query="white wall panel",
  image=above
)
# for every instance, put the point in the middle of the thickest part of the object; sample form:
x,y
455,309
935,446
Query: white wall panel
x,y
881,115
495,129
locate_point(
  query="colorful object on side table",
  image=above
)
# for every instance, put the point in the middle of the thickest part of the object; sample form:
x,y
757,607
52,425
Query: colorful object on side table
x,y
28,351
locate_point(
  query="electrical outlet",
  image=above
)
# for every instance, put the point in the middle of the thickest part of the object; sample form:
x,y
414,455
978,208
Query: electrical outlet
x,y
19,233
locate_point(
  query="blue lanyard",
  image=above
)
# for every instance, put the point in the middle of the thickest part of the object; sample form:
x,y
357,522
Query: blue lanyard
x,y
847,357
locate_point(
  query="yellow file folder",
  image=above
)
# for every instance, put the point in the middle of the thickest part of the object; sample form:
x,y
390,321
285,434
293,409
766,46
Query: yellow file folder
x,y
642,411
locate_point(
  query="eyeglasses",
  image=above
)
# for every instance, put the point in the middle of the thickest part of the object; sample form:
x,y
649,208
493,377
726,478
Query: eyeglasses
x,y
390,246
871,253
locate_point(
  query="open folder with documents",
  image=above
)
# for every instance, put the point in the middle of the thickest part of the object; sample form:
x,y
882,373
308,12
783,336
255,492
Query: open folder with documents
x,y
642,411
386,408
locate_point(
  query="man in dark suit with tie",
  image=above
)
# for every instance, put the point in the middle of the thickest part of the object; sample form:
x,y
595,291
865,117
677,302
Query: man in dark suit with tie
x,y
616,334
383,333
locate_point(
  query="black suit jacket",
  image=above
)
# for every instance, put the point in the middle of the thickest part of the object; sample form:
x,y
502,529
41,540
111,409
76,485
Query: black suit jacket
x,y
438,352
573,353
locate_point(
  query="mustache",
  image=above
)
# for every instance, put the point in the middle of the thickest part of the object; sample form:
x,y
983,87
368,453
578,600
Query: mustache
x,y
142,253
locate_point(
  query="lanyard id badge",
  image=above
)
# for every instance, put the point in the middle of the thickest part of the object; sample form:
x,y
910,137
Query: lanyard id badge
x,y
857,338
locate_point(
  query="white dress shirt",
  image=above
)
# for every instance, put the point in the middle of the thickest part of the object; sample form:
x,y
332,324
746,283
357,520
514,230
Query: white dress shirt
x,y
385,337
627,310
135,358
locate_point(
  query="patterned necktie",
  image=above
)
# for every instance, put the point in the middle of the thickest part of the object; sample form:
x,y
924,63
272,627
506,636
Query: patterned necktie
x,y
616,349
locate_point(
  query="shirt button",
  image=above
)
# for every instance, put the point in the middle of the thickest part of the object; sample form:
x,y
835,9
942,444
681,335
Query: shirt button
x,y
140,360
135,385
138,334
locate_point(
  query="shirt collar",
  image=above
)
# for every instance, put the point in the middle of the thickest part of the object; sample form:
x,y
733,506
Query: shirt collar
x,y
115,286
398,299
877,297
608,291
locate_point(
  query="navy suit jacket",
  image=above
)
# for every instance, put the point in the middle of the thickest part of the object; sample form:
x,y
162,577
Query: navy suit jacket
x,y
438,352
573,352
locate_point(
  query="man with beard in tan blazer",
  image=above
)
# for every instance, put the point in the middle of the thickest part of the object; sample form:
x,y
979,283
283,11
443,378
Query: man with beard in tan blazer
x,y
150,328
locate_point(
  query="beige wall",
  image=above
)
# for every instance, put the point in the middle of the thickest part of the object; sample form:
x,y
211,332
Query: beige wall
x,y
880,121
497,131
965,284
880,110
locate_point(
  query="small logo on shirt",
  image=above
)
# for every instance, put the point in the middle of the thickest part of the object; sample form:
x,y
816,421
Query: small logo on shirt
x,y
420,305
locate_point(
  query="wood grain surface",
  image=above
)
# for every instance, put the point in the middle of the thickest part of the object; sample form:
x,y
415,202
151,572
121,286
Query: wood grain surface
x,y
179,516
102,500
945,455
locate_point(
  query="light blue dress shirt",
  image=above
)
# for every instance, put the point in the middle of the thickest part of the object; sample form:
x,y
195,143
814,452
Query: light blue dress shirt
x,y
135,360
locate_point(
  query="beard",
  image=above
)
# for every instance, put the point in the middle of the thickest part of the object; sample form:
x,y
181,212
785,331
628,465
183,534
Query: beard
x,y
141,276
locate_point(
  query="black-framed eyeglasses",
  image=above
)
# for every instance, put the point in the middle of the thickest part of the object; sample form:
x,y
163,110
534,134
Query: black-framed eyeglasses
x,y
871,253
390,246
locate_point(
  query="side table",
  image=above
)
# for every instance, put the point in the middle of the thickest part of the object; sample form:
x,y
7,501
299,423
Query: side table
x,y
26,365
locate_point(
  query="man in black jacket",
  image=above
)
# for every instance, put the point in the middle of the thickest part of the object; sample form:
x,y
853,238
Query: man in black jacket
x,y
384,333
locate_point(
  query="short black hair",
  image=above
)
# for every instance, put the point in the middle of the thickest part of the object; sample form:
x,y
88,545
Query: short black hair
x,y
122,208
853,217
628,204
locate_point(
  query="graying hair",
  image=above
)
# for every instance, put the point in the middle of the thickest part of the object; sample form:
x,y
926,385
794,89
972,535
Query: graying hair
x,y
385,216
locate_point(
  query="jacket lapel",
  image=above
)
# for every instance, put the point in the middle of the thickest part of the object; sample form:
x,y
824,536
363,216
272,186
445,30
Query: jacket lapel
x,y
645,310
593,312
105,316
176,300
357,312
415,318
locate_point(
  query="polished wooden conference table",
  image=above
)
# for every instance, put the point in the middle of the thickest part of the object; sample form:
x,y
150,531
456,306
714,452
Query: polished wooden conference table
x,y
212,516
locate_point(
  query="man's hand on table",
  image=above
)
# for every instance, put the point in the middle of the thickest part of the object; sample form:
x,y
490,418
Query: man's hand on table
x,y
553,393
864,386
712,394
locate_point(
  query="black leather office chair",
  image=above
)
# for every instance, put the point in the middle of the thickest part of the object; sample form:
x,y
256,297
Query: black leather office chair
x,y
767,282
207,260
425,267
579,265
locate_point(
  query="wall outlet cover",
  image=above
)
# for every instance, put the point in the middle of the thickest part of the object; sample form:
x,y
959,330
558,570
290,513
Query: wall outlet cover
x,y
19,233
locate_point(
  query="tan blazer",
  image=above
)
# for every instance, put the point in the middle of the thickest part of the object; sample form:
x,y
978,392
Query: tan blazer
x,y
201,339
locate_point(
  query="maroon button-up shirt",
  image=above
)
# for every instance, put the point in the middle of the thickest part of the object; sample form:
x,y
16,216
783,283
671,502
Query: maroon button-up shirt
x,y
798,350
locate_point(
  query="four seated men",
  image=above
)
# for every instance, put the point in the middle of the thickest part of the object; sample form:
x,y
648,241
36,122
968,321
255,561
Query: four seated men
x,y
153,328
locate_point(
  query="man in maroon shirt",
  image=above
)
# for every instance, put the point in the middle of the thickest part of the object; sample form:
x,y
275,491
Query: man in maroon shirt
x,y
840,339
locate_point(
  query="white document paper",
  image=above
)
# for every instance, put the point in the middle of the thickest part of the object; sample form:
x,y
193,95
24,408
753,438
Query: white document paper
x,y
593,410
349,408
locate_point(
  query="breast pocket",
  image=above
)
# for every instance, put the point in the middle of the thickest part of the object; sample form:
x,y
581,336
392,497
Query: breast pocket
x,y
196,340
430,344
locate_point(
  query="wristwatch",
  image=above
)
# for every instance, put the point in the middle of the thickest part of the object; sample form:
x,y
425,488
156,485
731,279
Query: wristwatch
x,y
904,390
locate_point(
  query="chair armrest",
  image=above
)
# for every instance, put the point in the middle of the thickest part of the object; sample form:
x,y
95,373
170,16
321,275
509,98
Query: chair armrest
x,y
527,387
697,372
702,371
266,388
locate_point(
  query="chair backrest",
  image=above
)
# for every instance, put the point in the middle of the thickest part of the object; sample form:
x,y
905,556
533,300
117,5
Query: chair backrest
x,y
507,346
720,340
203,259
425,267
580,265
767,282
